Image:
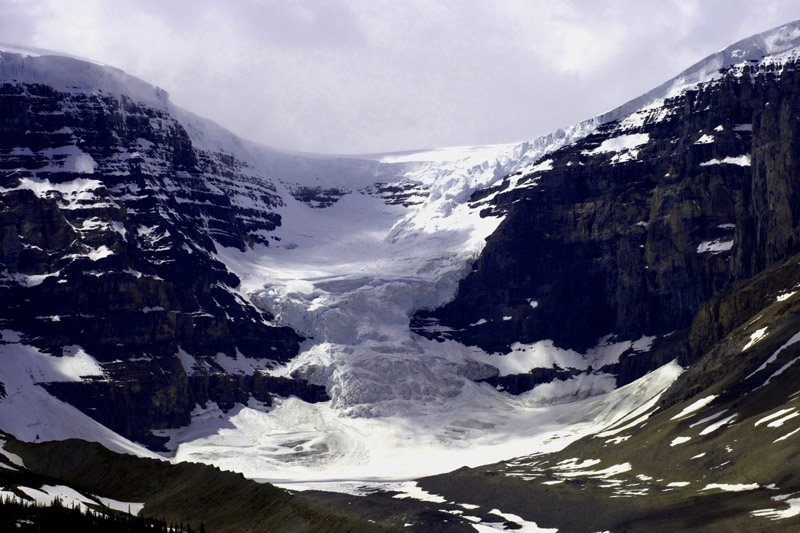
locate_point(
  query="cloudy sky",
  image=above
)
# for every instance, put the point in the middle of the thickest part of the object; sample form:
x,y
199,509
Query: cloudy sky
x,y
359,76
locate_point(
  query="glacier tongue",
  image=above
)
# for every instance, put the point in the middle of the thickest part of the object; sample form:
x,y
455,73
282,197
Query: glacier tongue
x,y
348,277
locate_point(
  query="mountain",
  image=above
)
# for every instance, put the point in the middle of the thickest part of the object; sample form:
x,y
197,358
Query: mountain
x,y
607,314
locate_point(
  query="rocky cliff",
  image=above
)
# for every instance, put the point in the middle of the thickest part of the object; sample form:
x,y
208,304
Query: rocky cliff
x,y
110,220
628,232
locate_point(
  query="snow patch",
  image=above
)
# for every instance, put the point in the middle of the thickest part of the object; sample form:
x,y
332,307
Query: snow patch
x,y
696,406
543,166
100,253
742,161
774,415
68,159
795,338
30,413
46,495
625,147
412,490
524,526
731,487
715,247
780,371
715,426
618,144
785,296
123,507
13,458
755,337
786,436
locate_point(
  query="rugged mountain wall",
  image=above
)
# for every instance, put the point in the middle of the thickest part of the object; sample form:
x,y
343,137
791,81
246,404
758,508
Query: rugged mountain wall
x,y
110,217
629,231
717,451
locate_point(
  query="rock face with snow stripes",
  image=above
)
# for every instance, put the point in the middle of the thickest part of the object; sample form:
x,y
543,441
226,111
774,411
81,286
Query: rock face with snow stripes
x,y
109,222
630,230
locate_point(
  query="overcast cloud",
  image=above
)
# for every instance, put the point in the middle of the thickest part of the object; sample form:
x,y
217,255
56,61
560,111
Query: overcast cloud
x,y
358,76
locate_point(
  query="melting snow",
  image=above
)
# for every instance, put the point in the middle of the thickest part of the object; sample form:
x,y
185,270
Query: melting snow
x,y
708,418
124,507
696,406
410,489
778,423
774,415
715,247
785,296
524,525
295,441
623,142
623,147
755,337
574,463
705,139
544,166
99,253
795,338
742,161
13,458
68,159
77,189
30,413
786,436
776,514
600,474
781,370
736,487
47,494
717,425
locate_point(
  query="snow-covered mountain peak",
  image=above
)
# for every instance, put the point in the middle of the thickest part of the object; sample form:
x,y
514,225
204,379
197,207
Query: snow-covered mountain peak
x,y
69,74
756,48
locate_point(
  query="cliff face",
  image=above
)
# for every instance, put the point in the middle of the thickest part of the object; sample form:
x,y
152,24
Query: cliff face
x,y
629,231
110,218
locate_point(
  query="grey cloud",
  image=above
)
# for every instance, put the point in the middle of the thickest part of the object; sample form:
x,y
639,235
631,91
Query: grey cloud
x,y
368,75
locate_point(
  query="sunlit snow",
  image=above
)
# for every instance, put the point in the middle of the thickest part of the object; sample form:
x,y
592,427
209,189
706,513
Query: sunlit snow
x,y
695,406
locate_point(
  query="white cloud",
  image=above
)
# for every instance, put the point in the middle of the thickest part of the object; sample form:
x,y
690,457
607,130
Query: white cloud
x,y
368,75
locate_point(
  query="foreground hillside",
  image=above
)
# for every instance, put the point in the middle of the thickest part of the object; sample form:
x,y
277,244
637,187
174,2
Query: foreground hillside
x,y
95,481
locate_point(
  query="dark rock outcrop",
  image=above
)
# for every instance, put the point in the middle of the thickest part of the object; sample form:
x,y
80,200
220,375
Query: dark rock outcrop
x,y
318,197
